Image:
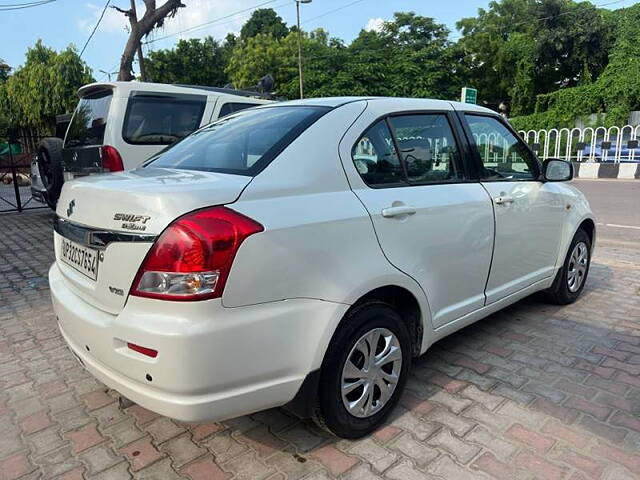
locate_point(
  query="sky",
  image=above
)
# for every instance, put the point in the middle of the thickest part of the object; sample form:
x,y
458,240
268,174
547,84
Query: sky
x,y
62,22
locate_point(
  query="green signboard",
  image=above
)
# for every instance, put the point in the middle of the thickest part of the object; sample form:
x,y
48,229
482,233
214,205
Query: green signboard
x,y
469,95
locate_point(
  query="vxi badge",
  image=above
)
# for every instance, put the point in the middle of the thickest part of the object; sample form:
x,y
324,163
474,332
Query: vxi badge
x,y
131,221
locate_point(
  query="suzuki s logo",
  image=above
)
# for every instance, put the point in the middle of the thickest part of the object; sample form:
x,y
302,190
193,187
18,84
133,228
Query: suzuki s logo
x,y
72,204
75,157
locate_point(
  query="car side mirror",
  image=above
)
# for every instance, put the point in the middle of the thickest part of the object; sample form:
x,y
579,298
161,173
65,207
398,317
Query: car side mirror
x,y
556,170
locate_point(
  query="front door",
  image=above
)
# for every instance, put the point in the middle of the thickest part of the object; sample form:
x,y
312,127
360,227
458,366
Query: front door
x,y
432,223
528,212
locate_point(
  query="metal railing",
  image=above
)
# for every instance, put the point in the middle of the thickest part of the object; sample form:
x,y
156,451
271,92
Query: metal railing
x,y
16,154
589,144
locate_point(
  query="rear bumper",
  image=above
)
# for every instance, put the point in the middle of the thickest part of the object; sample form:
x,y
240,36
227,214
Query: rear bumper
x,y
213,362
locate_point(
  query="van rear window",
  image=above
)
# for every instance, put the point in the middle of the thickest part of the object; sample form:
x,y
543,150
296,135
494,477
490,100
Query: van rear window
x,y
89,120
242,143
232,107
162,120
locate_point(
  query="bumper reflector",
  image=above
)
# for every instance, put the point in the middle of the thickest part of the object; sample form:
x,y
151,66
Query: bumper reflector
x,y
149,352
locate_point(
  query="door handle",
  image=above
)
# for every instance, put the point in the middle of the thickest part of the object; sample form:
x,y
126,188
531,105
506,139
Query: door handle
x,y
503,199
397,211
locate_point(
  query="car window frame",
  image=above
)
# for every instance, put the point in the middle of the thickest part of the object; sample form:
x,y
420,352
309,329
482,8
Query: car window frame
x,y
458,136
174,96
478,165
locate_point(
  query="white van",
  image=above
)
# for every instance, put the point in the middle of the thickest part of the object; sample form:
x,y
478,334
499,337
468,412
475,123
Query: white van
x,y
118,125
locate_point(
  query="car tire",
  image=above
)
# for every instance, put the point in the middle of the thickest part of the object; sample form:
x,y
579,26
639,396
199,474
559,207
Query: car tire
x,y
362,324
50,168
571,278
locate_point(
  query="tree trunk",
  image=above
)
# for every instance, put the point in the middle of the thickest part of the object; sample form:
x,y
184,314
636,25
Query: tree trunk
x,y
126,62
153,17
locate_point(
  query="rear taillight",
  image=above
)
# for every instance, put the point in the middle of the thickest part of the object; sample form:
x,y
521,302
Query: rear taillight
x,y
111,159
192,258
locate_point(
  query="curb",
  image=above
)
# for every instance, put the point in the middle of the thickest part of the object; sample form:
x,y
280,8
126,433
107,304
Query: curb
x,y
628,171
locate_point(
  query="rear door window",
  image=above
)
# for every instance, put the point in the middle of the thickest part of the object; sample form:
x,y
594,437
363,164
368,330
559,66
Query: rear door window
x,y
428,148
411,149
503,155
375,157
162,120
89,120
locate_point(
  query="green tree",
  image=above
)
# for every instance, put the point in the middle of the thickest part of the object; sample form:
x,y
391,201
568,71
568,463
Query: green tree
x,y
192,62
45,86
265,21
522,52
411,56
534,46
230,42
614,93
4,71
4,76
264,54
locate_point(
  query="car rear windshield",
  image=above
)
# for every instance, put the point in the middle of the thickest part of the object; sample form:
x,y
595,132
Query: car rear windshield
x,y
161,120
89,120
242,143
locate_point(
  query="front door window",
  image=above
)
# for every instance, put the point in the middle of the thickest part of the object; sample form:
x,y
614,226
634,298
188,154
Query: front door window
x,y
504,156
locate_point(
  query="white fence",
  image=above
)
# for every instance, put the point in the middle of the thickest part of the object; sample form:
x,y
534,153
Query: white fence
x,y
588,144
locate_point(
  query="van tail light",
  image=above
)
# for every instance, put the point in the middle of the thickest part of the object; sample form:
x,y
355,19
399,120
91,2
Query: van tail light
x,y
192,258
111,159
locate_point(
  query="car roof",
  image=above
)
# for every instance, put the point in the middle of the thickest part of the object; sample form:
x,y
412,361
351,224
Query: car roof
x,y
125,88
410,103
331,102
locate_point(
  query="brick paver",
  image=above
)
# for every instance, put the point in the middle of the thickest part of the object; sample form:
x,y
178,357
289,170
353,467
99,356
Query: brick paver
x,y
534,391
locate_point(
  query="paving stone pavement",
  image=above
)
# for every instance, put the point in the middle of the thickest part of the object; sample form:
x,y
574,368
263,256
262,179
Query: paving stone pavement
x,y
534,391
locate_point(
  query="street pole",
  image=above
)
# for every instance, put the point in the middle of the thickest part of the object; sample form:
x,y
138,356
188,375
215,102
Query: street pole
x,y
143,75
298,2
299,50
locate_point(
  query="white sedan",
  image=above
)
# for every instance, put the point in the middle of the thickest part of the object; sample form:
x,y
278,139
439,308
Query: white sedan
x,y
302,253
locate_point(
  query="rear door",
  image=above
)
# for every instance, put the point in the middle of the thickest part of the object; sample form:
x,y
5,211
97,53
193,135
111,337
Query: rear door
x,y
86,133
432,222
528,212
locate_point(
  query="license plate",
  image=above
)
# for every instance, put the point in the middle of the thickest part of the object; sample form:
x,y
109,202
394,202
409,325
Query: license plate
x,y
83,259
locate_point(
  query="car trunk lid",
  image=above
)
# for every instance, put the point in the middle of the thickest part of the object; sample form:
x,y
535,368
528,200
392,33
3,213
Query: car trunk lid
x,y
106,224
